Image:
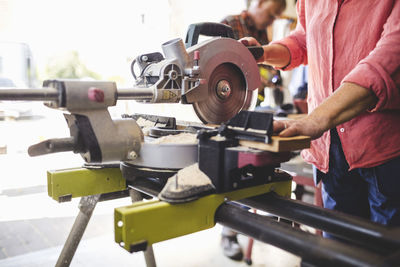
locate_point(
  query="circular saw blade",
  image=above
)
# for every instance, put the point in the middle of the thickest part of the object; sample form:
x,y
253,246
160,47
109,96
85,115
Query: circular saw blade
x,y
227,95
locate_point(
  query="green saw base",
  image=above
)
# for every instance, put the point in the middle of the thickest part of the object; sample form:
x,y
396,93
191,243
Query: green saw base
x,y
145,223
62,185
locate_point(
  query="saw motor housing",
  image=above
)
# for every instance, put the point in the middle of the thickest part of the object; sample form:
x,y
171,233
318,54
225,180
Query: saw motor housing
x,y
175,77
217,75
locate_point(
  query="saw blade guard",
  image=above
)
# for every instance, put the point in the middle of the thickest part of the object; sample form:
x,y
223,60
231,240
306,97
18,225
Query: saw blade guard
x,y
230,74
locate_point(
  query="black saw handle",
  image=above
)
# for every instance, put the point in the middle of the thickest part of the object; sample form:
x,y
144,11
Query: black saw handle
x,y
207,29
215,29
256,51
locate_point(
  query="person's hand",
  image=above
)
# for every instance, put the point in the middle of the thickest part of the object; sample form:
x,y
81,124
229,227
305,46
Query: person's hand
x,y
305,126
275,55
250,41
347,102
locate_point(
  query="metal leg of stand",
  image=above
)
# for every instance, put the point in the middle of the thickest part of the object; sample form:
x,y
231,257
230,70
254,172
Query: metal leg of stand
x,y
86,207
149,257
148,253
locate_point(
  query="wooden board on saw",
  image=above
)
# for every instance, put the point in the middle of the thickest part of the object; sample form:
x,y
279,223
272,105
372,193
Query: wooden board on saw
x,y
296,116
280,144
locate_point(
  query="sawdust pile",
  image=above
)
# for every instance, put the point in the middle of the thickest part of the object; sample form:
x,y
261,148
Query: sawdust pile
x,y
218,138
190,176
187,185
146,125
182,138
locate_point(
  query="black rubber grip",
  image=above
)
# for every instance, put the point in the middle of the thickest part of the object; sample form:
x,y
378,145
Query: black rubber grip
x,y
207,29
256,51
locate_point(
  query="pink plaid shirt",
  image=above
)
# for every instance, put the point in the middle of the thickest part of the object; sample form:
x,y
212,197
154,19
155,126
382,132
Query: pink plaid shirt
x,y
358,42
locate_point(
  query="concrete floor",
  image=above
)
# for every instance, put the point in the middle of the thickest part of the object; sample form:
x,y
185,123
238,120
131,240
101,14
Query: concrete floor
x,y
33,227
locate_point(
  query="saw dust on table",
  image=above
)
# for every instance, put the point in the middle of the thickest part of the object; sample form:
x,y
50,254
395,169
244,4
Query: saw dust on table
x,y
182,138
146,125
188,184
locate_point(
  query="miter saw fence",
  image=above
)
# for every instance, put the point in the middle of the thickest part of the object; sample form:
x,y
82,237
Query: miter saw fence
x,y
230,166
159,121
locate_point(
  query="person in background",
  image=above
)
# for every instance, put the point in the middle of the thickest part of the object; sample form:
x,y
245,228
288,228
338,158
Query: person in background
x,y
298,87
252,22
353,101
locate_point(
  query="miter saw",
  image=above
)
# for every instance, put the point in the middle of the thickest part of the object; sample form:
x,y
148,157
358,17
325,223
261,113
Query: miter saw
x,y
216,76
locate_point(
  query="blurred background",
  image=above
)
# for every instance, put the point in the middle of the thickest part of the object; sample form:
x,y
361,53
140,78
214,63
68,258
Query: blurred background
x,y
47,39
99,38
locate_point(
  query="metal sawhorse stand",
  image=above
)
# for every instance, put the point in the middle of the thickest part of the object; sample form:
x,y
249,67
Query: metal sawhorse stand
x,y
92,186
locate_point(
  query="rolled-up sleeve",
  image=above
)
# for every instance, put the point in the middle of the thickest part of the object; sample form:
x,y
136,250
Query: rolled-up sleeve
x,y
380,70
296,41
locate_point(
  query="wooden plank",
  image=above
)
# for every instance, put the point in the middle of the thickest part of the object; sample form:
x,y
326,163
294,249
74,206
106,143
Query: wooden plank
x,y
296,116
280,144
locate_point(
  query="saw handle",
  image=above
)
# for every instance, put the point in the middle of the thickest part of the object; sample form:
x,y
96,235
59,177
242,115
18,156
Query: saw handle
x,y
256,51
207,29
53,146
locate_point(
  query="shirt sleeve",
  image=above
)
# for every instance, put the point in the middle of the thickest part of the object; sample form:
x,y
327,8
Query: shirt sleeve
x,y
380,70
296,41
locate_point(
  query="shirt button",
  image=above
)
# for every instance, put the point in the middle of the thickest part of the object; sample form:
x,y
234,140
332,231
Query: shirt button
x,y
341,130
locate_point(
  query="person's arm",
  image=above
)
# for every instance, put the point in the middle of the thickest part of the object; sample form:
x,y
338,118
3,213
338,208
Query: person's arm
x,y
374,85
289,52
380,70
275,55
347,102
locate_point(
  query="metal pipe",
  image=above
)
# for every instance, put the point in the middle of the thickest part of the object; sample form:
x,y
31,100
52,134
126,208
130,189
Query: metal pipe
x,y
149,257
311,248
52,94
135,94
38,94
339,224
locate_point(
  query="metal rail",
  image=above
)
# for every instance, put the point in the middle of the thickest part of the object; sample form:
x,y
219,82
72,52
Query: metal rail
x,y
348,227
384,248
52,94
39,94
313,250
135,94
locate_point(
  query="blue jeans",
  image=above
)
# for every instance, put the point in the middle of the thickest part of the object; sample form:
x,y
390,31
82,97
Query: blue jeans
x,y
371,193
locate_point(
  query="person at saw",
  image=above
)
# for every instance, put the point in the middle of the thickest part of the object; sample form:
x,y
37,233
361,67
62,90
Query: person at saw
x,y
251,22
352,49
